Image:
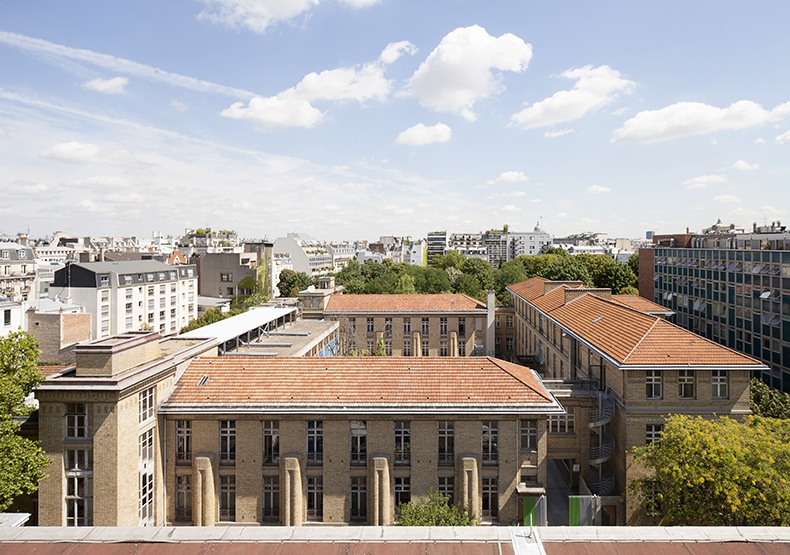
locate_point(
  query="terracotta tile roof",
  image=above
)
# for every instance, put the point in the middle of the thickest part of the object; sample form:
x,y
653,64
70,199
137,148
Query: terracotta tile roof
x,y
640,303
402,303
359,381
51,370
553,299
529,289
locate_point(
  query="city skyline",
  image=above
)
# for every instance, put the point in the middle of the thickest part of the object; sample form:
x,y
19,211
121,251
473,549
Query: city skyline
x,y
354,119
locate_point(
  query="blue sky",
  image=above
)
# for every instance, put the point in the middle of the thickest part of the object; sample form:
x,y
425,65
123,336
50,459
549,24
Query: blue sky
x,y
351,119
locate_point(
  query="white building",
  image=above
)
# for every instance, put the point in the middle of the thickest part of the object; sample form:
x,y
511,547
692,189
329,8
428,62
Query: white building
x,y
17,271
11,316
341,254
307,254
131,295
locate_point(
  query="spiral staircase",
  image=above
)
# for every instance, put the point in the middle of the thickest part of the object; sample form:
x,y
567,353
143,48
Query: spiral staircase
x,y
600,481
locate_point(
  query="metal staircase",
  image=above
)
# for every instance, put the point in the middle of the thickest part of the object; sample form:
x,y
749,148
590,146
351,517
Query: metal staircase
x,y
600,481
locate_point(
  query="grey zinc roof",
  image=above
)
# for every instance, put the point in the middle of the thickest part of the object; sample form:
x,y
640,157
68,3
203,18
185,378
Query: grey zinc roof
x,y
126,266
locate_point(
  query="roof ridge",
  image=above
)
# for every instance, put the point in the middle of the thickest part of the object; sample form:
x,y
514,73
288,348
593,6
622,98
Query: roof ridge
x,y
638,343
693,335
497,361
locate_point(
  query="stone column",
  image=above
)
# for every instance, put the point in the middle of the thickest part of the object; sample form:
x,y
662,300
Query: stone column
x,y
453,344
380,498
416,344
291,491
470,484
204,503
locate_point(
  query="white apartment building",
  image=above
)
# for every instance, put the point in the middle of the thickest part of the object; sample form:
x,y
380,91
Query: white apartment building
x,y
307,254
131,295
17,271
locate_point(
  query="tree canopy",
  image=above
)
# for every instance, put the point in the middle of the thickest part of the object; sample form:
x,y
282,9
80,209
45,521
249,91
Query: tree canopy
x,y
633,263
434,510
21,460
291,283
616,277
719,472
768,402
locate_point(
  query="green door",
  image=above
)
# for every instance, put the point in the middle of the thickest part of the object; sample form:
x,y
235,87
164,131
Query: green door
x,y
528,510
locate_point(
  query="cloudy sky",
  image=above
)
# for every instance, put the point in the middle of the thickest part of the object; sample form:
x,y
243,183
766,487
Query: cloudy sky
x,y
351,119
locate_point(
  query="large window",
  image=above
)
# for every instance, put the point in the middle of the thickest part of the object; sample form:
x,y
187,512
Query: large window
x,y
443,327
402,491
271,498
271,442
79,487
719,383
315,442
146,475
359,498
561,424
359,442
76,420
446,443
490,442
686,389
183,497
529,435
402,443
425,326
490,498
387,327
183,442
461,327
653,433
406,327
425,350
406,348
315,498
227,498
370,325
447,488
146,402
653,384
443,349
227,442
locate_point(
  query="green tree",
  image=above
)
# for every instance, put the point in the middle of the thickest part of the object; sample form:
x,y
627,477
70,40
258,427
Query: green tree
x,y
593,262
508,273
452,259
434,510
559,251
719,472
405,285
371,270
565,268
768,402
633,263
21,460
616,277
291,283
433,280
630,291
480,269
469,285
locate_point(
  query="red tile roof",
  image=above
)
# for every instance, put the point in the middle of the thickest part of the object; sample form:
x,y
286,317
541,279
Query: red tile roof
x,y
529,289
354,381
402,303
51,370
641,304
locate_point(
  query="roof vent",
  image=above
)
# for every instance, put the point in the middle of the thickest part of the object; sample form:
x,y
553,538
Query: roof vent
x,y
203,381
598,319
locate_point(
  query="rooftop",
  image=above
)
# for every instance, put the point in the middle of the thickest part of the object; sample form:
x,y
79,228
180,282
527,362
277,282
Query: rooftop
x,y
402,303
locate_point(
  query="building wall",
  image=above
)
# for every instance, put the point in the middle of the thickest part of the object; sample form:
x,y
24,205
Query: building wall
x,y
57,334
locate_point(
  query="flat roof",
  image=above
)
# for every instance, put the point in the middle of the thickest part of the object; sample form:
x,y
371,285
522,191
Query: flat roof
x,y
236,326
291,341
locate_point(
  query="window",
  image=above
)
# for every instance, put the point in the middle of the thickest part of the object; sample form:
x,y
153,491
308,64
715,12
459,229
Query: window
x,y
150,288
183,442
529,435
402,443
105,326
425,326
653,384
561,424
162,302
227,498
315,498
388,347
359,442
371,346
462,348
447,488
183,497
128,308
387,327
653,433
402,491
406,327
443,327
407,348
147,404
76,420
359,498
129,322
7,317
443,349
461,327
509,321
490,498
271,442
719,382
226,277
425,351
150,304
315,442
497,321
105,296
271,498
686,384
79,487
173,300
146,479
352,323
370,325
227,442
509,344
446,443
490,442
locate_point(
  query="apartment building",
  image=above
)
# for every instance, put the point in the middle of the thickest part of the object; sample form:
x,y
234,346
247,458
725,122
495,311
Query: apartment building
x,y
307,254
436,243
225,274
131,295
414,325
17,271
730,287
638,368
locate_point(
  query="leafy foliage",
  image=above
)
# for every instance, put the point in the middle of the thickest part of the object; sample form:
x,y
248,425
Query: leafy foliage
x,y
21,460
211,316
616,277
717,472
434,510
291,283
633,263
452,259
768,402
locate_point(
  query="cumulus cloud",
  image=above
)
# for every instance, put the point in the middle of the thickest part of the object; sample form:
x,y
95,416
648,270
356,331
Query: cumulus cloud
x,y
180,106
558,133
255,15
399,210
561,215
24,187
420,134
726,199
359,3
703,181
3,132
86,153
506,178
102,182
759,141
594,87
510,208
685,119
514,194
107,86
598,190
465,68
293,107
783,139
742,165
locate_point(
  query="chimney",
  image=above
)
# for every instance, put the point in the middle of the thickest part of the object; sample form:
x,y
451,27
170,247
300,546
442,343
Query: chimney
x,y
490,331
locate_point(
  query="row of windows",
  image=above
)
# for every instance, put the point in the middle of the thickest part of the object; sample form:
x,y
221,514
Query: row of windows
x,y
406,351
687,384
358,447
425,327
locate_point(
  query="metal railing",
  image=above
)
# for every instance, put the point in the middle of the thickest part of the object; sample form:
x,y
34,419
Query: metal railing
x,y
603,452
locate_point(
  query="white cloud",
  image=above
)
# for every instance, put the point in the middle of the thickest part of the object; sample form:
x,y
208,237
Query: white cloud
x,y
256,15
561,215
726,199
3,132
458,72
293,107
395,50
48,51
510,208
783,139
180,106
694,118
24,187
514,194
759,141
703,181
422,135
594,87
598,190
86,153
359,3
536,200
103,182
619,111
506,178
558,133
399,210
107,86
742,165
